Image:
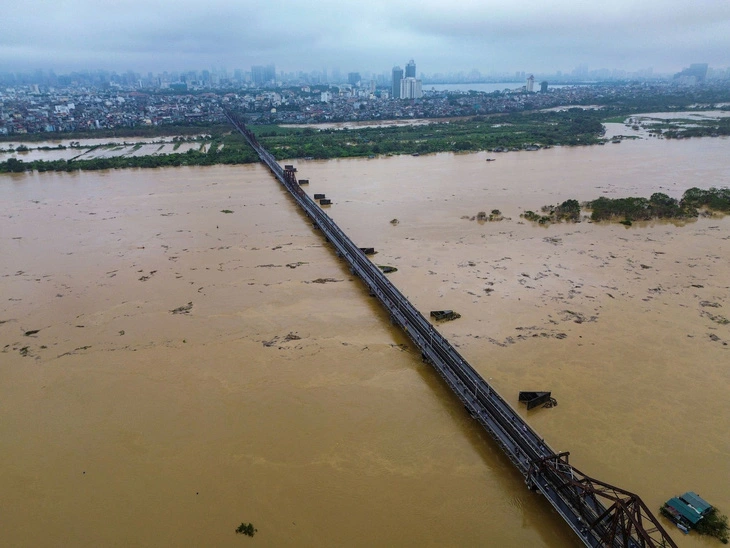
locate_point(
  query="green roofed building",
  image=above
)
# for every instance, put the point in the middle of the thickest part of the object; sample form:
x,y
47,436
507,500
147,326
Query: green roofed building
x,y
684,510
690,508
696,502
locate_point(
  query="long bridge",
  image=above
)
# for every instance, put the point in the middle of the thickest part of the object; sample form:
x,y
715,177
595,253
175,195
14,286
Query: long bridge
x,y
600,514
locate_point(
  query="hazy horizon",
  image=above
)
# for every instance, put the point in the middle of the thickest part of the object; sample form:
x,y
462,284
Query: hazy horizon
x,y
294,35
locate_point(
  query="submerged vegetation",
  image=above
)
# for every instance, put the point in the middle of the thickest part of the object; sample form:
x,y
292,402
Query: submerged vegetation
x,y
500,133
661,206
246,529
716,199
628,210
714,524
658,206
188,129
568,211
230,148
496,133
683,128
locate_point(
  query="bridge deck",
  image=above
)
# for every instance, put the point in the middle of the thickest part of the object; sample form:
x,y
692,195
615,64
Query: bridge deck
x,y
574,496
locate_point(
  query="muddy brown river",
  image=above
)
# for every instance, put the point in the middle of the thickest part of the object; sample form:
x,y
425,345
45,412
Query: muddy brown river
x,y
193,369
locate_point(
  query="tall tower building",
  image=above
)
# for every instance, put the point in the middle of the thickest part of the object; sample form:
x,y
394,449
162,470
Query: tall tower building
x,y
397,77
411,69
262,75
410,88
530,83
696,73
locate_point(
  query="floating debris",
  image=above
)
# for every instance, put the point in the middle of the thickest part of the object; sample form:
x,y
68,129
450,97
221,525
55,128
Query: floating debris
x,y
445,315
185,309
717,318
323,281
533,399
291,336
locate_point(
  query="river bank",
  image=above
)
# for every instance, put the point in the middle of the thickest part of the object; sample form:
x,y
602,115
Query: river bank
x,y
502,133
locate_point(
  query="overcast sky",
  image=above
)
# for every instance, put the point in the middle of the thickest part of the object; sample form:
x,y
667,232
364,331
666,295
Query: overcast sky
x,y
372,35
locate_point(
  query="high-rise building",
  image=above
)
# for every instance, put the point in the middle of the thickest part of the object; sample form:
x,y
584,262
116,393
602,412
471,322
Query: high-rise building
x,y
543,86
410,88
397,78
530,83
353,78
696,73
411,69
261,75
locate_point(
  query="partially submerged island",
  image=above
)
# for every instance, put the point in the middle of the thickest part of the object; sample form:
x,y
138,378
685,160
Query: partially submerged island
x,y
694,202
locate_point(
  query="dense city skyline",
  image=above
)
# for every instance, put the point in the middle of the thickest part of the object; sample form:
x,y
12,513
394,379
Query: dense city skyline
x,y
489,36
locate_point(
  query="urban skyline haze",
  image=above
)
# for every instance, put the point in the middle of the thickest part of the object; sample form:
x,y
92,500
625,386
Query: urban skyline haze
x,y
490,36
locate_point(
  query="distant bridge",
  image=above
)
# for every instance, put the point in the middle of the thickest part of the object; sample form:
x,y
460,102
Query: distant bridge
x,y
600,514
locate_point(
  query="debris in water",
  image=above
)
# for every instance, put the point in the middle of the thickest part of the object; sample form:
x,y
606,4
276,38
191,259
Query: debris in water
x,y
183,309
445,315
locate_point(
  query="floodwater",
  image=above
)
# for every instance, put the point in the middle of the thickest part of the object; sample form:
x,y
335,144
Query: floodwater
x,y
96,148
194,369
370,124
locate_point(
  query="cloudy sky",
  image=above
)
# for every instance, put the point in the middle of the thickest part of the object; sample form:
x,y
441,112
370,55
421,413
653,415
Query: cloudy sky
x,y
371,35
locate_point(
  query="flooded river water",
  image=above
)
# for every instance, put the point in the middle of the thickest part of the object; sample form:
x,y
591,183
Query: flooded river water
x,y
194,369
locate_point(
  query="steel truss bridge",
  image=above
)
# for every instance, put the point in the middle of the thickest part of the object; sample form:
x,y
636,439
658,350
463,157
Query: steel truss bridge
x,y
600,514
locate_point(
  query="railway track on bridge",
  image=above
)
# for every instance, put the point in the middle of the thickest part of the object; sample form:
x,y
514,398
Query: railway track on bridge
x,y
600,514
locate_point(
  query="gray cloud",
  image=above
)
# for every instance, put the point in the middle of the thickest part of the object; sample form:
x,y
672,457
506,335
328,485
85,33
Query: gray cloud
x,y
310,35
